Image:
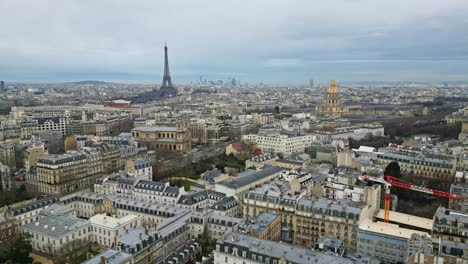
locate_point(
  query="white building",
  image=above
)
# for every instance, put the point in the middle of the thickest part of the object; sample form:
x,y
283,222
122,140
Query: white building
x,y
354,132
106,229
51,232
157,192
285,143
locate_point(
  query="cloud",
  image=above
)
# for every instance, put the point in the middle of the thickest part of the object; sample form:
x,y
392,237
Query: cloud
x,y
254,38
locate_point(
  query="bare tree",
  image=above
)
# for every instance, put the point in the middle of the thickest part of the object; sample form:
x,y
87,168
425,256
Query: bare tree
x,y
73,252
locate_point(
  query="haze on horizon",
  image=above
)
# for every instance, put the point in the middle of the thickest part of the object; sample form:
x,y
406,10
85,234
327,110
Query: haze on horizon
x,y
284,42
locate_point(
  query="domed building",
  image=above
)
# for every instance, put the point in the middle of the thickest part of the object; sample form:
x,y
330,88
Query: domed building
x,y
332,104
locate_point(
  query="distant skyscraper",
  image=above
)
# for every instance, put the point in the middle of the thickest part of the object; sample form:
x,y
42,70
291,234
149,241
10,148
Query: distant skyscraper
x,y
311,83
167,88
2,86
233,82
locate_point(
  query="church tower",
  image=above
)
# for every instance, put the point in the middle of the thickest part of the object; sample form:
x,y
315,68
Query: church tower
x,y
332,104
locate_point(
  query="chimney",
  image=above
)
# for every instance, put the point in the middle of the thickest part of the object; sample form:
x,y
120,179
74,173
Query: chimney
x,y
103,260
140,235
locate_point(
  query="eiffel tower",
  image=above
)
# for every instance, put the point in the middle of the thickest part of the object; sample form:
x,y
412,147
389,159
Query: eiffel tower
x,y
167,89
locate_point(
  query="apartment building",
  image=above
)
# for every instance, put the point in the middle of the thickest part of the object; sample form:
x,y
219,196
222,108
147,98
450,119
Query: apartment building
x,y
451,230
218,226
459,188
33,152
307,219
18,112
327,218
66,173
240,248
107,125
386,242
139,168
418,163
267,226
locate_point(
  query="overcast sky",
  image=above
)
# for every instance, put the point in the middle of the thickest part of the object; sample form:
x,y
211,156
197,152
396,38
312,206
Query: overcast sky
x,y
253,40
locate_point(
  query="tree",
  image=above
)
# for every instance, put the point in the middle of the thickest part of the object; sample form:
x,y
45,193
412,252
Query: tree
x,y
393,169
277,110
16,250
72,252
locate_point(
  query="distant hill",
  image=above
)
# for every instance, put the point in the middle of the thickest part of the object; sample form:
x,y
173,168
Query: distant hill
x,y
90,82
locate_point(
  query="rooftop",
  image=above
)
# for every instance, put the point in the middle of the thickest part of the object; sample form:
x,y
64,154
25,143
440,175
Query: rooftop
x,y
389,229
407,219
255,176
292,254
56,225
112,222
112,256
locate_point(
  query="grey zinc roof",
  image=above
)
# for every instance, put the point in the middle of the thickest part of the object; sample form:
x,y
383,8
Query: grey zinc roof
x,y
341,208
176,257
201,196
112,257
57,209
150,185
443,216
35,205
141,162
225,204
246,180
56,225
271,249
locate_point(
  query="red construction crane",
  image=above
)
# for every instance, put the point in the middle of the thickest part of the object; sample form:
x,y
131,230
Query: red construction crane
x,y
389,181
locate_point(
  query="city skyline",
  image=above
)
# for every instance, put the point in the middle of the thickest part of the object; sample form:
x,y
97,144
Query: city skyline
x,y
255,42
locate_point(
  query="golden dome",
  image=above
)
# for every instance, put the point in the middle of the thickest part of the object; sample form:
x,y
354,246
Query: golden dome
x,y
333,88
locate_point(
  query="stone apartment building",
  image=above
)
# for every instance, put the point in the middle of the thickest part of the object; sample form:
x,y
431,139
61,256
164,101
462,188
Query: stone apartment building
x,y
450,230
422,165
66,173
459,188
307,219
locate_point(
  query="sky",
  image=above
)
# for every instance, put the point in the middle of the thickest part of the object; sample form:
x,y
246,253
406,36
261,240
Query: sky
x,y
275,42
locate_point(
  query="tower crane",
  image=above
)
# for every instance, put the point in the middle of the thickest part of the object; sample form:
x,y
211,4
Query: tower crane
x,y
389,181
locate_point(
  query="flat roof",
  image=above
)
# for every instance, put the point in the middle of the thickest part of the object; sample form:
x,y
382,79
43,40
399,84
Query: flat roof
x,y
407,219
112,257
112,222
389,229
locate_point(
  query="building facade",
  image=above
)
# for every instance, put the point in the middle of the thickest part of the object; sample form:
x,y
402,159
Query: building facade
x,y
163,138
